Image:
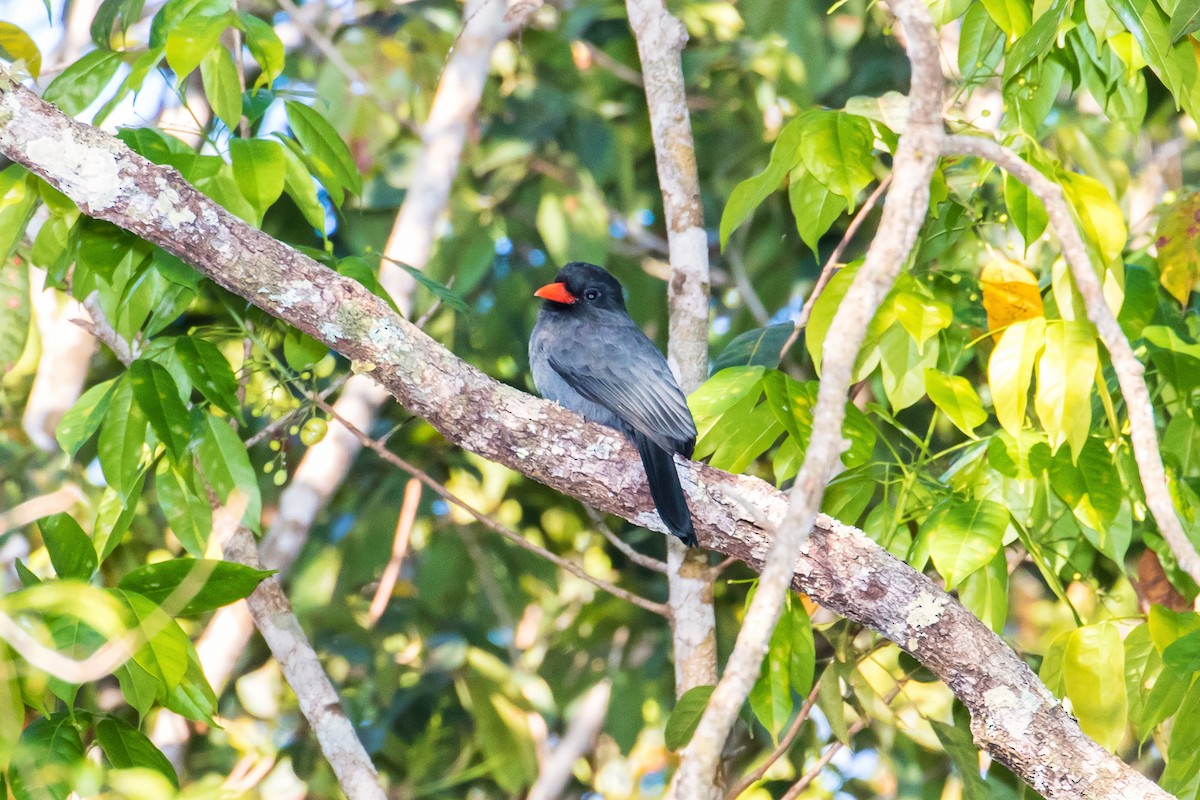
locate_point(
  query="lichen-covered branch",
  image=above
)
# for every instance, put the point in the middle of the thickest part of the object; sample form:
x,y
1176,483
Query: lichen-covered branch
x,y
1143,434
1015,717
660,40
916,158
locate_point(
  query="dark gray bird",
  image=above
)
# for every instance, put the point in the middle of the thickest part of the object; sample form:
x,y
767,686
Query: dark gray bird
x,y
587,355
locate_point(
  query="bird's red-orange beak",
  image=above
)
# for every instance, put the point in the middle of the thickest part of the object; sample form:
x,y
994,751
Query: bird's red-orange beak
x,y
556,292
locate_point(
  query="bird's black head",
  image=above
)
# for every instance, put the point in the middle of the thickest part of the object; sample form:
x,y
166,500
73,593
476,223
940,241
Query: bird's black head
x,y
580,286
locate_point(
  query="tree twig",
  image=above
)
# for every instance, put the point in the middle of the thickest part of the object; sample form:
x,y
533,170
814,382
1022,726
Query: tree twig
x,y
491,524
785,742
831,264
641,559
387,581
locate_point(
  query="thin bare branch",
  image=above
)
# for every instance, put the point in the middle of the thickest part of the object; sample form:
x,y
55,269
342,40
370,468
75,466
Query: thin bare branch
x,y
832,263
641,559
491,524
387,581
785,742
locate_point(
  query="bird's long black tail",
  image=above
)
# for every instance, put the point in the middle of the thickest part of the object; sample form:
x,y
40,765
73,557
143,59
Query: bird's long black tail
x,y
665,489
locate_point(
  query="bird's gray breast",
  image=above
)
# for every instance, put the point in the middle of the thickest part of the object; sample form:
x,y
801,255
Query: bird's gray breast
x,y
549,336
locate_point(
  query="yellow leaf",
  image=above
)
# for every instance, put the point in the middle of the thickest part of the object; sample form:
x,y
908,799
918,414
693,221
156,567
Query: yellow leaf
x,y
1010,369
1066,374
1178,246
1099,215
1010,293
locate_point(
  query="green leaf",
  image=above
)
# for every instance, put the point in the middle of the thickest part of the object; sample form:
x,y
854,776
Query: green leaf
x,y
821,319
12,705
264,46
218,75
223,459
750,193
1185,19
685,717
1172,61
759,347
138,686
115,515
301,187
836,148
186,509
1183,654
71,550
829,700
963,537
958,744
122,438
921,316
1183,749
193,39
1035,42
204,584
164,651
1024,209
15,313
1094,674
814,207
1066,373
903,367
1013,16
353,267
1154,692
258,166
81,83
158,398
956,398
980,44
45,760
786,668
16,45
1010,369
193,698
985,593
301,351
793,402
114,12
323,145
210,372
126,747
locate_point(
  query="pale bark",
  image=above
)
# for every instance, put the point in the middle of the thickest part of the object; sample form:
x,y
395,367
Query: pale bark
x,y
660,40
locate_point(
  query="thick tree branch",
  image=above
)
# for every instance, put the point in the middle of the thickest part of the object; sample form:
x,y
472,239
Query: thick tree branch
x,y
660,40
1143,434
1015,717
916,157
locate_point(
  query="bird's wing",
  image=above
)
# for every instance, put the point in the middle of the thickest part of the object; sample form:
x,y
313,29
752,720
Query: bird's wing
x,y
639,389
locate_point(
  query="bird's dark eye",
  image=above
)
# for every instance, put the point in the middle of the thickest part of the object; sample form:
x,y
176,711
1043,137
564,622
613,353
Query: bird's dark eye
x,y
591,294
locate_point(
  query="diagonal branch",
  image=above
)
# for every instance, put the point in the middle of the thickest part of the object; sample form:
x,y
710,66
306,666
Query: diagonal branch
x,y
1014,717
1143,434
